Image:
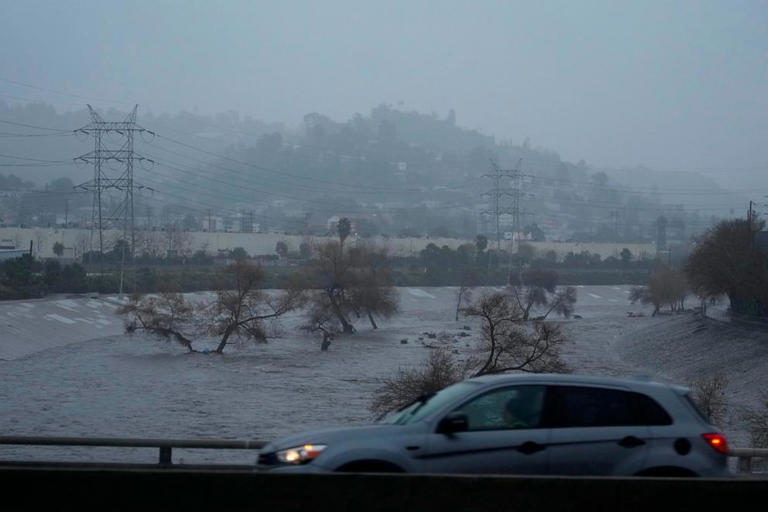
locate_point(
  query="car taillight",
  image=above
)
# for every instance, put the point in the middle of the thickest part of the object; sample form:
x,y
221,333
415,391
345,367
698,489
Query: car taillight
x,y
716,441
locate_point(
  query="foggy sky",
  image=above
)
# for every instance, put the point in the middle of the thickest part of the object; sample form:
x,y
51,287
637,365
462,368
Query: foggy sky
x,y
671,85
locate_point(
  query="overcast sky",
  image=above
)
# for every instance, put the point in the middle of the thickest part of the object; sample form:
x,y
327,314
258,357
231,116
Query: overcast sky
x,y
672,85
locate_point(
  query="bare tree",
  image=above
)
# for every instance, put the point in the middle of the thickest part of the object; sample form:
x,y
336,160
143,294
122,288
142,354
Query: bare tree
x,y
539,288
665,287
509,344
562,303
353,282
333,271
239,311
165,314
242,310
440,370
709,395
757,420
464,291
372,290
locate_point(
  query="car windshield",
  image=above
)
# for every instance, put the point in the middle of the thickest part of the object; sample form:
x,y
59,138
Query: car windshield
x,y
423,406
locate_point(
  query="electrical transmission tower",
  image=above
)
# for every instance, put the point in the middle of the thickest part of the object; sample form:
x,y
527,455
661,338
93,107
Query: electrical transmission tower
x,y
507,183
112,170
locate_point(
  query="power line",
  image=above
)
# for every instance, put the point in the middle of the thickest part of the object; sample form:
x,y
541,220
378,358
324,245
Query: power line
x,y
34,126
273,171
308,187
34,159
8,135
54,91
239,187
37,165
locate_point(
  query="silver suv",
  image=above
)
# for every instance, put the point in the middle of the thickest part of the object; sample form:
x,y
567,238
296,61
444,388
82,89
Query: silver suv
x,y
522,424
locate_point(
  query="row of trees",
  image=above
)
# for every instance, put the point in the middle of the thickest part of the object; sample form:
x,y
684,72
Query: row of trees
x,y
24,277
338,285
726,260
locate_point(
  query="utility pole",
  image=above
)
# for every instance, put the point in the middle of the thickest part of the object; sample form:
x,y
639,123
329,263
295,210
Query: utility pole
x,y
106,178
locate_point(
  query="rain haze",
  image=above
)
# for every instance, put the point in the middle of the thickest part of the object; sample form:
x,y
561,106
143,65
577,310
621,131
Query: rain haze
x,y
668,85
212,211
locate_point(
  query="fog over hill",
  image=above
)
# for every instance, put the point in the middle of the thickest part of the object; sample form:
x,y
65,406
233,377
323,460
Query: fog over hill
x,y
396,171
292,114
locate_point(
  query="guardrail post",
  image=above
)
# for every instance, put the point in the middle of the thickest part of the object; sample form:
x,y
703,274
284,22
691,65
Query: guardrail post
x,y
165,455
745,464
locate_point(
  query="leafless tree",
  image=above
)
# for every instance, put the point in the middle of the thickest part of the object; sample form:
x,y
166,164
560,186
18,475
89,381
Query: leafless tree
x,y
464,291
440,370
539,288
757,421
332,270
166,314
509,343
709,394
352,283
665,286
240,309
562,303
371,290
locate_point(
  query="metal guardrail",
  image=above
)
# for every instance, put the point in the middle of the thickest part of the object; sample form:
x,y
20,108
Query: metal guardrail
x,y
166,446
745,456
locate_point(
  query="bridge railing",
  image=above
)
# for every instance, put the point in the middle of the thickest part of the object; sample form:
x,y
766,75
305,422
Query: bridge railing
x,y
746,456
165,446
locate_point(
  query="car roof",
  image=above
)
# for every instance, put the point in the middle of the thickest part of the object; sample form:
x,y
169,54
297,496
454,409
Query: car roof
x,y
635,382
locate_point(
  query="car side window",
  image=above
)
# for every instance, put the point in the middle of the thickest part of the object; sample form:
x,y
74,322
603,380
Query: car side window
x,y
512,407
584,406
649,412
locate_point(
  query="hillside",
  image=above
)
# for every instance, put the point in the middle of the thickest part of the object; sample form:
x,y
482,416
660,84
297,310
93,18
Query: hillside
x,y
686,347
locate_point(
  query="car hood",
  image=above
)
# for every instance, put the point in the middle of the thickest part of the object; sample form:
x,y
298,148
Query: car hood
x,y
334,435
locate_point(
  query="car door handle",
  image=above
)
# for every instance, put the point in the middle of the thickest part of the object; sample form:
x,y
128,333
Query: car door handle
x,y
529,447
631,442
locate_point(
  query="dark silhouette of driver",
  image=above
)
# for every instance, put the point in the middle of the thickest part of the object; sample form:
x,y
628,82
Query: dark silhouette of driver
x,y
512,415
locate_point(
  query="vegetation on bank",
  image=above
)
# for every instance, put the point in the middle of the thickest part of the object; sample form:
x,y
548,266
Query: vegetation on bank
x,y
473,264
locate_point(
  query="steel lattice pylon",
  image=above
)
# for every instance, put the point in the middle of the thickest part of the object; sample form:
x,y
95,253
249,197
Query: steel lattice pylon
x,y
107,177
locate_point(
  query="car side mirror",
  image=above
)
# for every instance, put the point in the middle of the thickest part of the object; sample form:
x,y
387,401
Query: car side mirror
x,y
454,422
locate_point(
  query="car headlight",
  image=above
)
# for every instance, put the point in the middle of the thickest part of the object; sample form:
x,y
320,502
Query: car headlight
x,y
300,454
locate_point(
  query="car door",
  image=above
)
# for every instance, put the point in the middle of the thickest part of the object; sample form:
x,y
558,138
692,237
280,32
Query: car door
x,y
494,441
594,431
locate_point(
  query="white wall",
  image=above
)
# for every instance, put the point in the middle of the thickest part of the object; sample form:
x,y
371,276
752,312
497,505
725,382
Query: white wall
x,y
77,240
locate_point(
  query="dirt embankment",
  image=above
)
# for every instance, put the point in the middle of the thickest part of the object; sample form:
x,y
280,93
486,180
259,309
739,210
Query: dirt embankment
x,y
683,348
